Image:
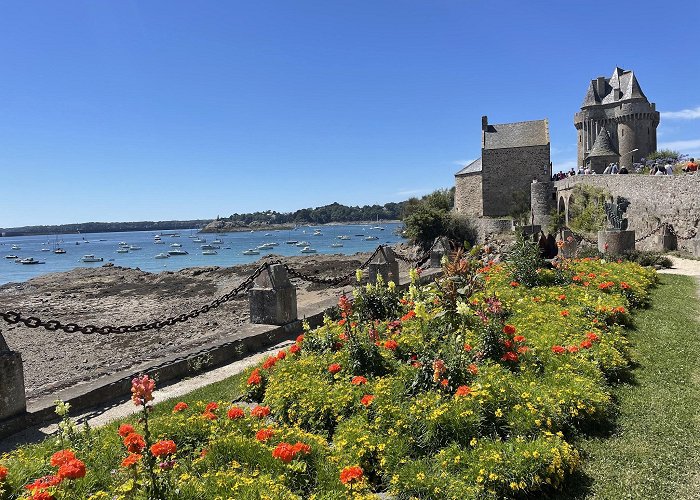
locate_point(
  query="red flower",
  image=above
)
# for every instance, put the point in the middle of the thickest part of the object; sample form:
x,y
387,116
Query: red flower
x,y
562,297
408,315
281,355
125,430
294,349
264,434
586,344
508,344
509,356
62,457
181,406
351,475
391,344
591,275
572,348
444,382
131,460
134,443
463,390
624,285
235,412
164,447
43,495
284,452
343,336
367,399
557,349
341,323
514,284
211,406
209,415
467,347
334,368
576,278
44,482
592,337
260,411
142,390
358,380
73,469
564,313
345,306
519,338
3,473
255,378
523,349
473,369
270,362
300,338
509,329
302,448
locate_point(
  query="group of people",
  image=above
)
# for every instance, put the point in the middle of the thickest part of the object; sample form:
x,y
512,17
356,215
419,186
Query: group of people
x,y
613,168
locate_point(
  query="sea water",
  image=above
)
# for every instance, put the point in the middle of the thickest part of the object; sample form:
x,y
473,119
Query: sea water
x,y
105,246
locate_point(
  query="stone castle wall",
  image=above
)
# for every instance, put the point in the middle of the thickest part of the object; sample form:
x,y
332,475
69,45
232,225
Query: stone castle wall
x,y
468,197
653,199
507,175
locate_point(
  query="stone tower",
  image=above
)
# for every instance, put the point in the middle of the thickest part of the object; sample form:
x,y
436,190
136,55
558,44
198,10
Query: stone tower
x,y
615,119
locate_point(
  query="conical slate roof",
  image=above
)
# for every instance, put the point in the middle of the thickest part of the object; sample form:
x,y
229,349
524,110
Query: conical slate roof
x,y
591,98
633,90
602,145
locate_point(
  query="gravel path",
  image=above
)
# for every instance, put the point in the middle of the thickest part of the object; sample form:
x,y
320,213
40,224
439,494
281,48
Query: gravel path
x,y
687,267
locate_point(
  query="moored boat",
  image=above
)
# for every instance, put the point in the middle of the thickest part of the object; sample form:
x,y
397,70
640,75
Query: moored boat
x,y
178,251
308,250
90,258
251,251
162,256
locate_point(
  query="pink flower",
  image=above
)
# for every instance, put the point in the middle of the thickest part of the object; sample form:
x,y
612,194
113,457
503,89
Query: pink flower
x,y
142,389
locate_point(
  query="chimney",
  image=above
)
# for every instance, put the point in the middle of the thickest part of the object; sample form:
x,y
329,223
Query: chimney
x,y
600,86
484,123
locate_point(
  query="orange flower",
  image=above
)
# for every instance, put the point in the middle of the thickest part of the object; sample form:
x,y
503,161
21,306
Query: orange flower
x,y
260,411
463,390
514,284
358,380
254,378
564,313
408,315
367,399
134,443
264,434
281,355
342,322
73,469
523,349
519,338
302,448
624,285
391,344
181,406
562,297
300,338
294,349
3,473
473,369
43,495
444,382
586,344
572,348
163,447
334,368
142,390
211,406
351,475
125,430
592,337
509,329
131,460
62,457
557,349
467,347
209,415
284,452
235,412
270,362
509,356
44,482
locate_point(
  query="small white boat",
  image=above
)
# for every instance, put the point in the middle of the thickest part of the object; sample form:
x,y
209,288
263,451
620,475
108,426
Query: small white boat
x,y
251,251
30,260
59,250
123,250
302,244
308,250
273,244
209,252
16,247
199,240
45,249
90,258
175,245
336,245
11,257
317,232
162,256
177,251
210,247
265,246
158,242
291,242
371,238
217,241
344,237
134,247
123,244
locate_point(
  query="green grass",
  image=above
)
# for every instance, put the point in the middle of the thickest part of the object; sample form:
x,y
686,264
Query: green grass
x,y
652,448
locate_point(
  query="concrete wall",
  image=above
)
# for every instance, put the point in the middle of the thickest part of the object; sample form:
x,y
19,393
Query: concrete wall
x,y
508,171
653,199
468,197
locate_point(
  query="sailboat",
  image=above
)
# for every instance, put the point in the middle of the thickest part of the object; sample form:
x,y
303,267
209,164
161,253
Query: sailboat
x,y
378,226
56,248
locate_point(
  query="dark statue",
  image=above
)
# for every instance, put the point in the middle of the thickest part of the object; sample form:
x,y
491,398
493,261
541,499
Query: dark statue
x,y
616,212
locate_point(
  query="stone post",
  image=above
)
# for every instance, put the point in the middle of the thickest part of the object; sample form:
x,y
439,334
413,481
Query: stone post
x,y
614,242
273,299
12,399
665,241
440,248
384,264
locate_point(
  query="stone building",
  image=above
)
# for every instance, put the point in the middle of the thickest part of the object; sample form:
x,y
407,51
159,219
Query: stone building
x,y
617,123
497,184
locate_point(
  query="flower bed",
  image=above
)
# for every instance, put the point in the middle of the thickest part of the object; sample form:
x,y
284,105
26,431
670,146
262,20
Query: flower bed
x,y
465,388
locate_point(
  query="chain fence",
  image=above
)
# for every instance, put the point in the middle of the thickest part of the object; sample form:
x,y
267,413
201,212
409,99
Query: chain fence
x,y
689,236
15,317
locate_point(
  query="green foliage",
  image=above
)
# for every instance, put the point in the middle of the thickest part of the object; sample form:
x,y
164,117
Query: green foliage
x,y
335,212
433,216
524,262
377,302
586,209
664,154
521,207
557,220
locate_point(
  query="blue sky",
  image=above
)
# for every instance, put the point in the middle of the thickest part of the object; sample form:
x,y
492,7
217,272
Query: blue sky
x,y
154,110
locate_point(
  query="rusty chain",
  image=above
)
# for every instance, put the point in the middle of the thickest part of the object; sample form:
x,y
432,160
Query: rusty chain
x,y
691,234
333,280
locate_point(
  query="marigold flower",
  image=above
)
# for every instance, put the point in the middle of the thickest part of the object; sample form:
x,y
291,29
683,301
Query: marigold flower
x,y
351,475
260,411
557,349
142,389
134,443
463,390
61,457
163,447
391,344
264,434
409,315
509,356
73,469
518,338
294,349
131,460
358,380
473,369
44,482
509,329
181,406
3,473
334,368
255,378
367,399
235,412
